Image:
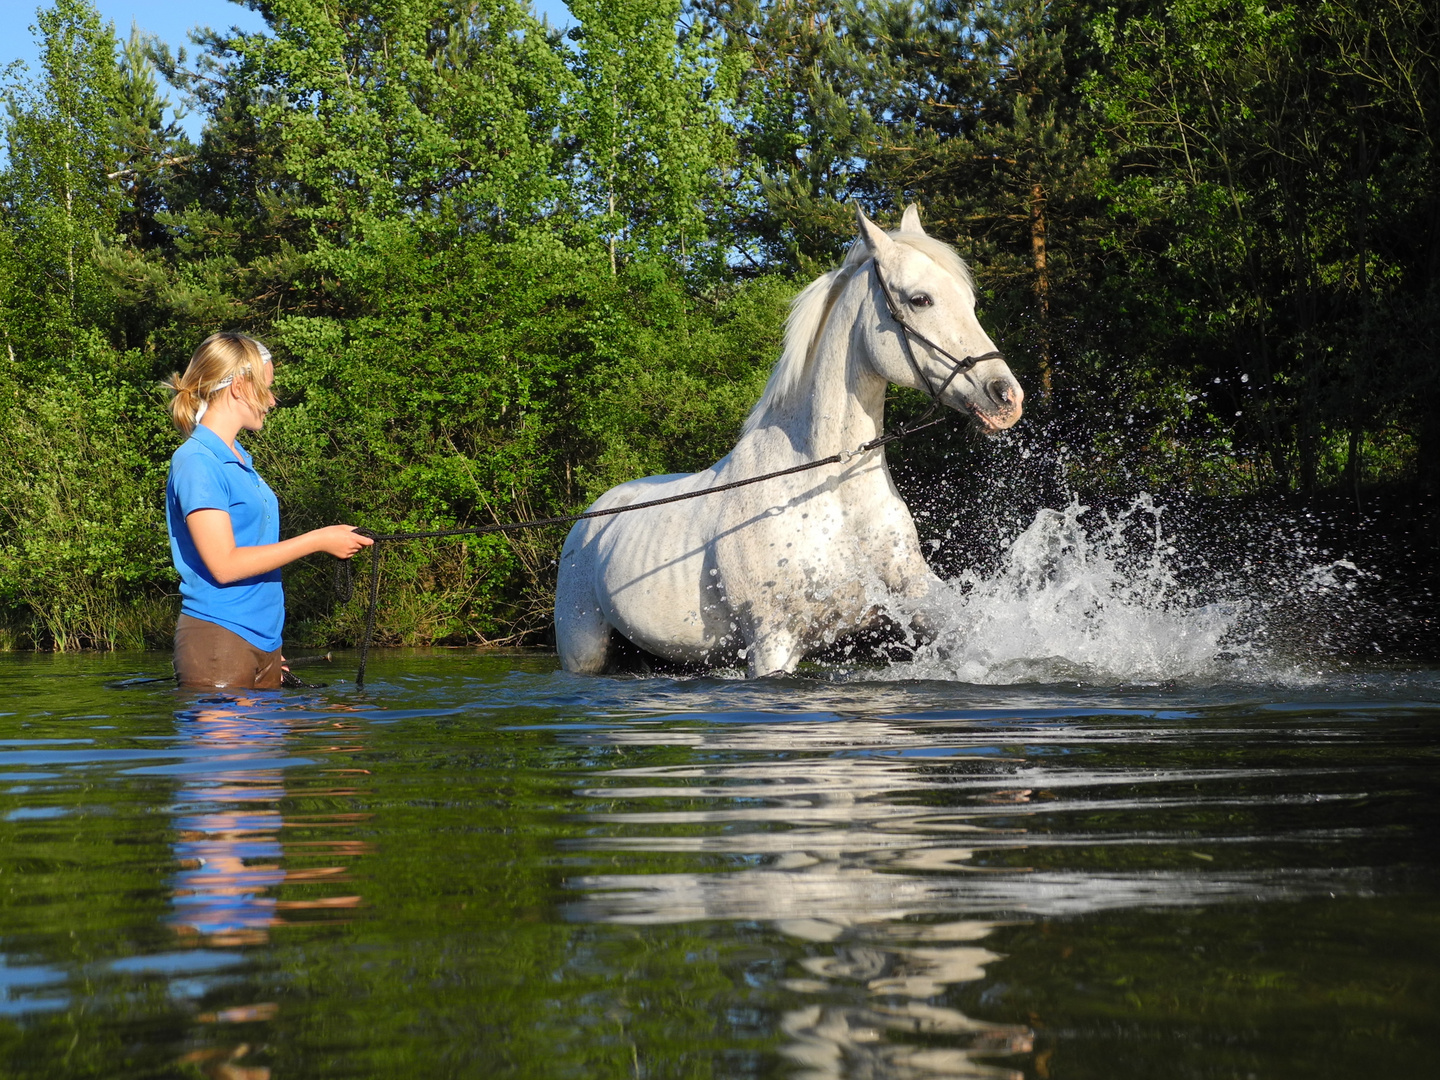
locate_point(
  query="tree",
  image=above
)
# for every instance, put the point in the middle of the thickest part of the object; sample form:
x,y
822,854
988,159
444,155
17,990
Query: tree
x,y
391,109
988,133
56,198
811,89
648,142
1267,176
148,145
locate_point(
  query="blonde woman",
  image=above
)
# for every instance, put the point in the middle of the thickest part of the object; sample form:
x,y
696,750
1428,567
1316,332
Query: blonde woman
x,y
224,522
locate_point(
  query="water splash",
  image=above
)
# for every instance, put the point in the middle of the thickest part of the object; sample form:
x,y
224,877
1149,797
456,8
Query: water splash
x,y
1102,598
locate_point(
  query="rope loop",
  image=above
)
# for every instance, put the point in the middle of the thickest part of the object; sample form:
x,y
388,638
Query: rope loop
x,y
344,580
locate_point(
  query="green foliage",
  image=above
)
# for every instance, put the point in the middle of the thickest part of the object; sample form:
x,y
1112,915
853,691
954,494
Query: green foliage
x,y
54,191
504,269
81,505
808,84
387,109
648,135
1269,192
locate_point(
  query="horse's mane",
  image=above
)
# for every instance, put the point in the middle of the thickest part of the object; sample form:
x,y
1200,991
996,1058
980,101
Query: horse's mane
x,y
811,308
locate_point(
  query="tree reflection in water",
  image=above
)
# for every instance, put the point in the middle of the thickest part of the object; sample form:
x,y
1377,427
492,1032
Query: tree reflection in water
x,y
848,860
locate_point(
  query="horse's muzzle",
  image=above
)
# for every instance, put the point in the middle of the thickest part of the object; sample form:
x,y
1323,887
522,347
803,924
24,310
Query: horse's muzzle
x,y
1002,405
1006,394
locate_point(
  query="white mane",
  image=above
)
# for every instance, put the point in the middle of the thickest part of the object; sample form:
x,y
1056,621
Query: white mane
x,y
811,308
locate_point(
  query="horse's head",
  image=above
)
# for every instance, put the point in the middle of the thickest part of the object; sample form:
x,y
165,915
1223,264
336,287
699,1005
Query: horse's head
x,y
926,335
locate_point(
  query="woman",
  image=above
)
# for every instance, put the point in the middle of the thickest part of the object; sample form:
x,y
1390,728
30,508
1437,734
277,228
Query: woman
x,y
224,522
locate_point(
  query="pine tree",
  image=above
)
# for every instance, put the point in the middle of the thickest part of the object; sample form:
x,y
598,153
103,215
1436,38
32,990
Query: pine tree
x,y
809,89
149,147
986,136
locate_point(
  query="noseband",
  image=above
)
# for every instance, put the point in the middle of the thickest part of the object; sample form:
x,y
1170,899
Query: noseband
x,y
957,366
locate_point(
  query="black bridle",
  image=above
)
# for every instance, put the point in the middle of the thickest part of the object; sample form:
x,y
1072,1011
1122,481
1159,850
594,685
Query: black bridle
x,y
957,366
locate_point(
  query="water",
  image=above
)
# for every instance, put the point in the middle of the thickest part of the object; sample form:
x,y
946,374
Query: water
x,y
1122,815
1098,605
483,867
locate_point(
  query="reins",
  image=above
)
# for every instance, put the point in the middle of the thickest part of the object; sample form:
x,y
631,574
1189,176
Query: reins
x,y
344,582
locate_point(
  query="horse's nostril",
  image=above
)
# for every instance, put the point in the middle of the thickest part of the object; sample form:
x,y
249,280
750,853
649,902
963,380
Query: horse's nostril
x,y
1004,391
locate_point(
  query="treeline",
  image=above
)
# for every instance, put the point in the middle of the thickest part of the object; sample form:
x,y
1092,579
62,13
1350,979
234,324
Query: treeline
x,y
504,267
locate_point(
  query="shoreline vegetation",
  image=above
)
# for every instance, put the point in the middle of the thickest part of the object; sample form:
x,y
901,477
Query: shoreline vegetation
x,y
503,268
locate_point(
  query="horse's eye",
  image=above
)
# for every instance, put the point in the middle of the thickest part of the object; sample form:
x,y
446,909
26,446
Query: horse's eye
x,y
920,299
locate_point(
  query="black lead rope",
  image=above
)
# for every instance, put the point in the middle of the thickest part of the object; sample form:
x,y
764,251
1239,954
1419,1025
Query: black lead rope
x,y
344,584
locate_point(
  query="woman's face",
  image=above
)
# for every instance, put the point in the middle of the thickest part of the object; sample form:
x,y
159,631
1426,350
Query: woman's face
x,y
251,417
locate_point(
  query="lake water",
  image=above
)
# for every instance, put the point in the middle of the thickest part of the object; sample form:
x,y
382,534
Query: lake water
x,y
479,866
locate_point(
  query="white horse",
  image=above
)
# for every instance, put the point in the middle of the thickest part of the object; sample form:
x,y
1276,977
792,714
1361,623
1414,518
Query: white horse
x,y
773,571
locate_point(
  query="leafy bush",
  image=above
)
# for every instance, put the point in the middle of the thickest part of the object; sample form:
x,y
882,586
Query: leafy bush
x,y
83,555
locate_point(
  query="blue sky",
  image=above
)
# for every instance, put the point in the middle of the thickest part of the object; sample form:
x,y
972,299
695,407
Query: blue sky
x,y
167,19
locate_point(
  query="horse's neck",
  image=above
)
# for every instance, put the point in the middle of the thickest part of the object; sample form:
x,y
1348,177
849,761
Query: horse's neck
x,y
843,404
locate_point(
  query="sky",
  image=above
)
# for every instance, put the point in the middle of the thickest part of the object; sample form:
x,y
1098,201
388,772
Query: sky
x,y
169,20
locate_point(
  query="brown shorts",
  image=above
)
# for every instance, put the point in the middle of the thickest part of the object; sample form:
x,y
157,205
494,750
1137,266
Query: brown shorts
x,y
209,655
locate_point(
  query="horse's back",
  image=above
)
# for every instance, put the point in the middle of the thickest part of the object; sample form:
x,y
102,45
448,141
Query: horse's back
x,y
641,490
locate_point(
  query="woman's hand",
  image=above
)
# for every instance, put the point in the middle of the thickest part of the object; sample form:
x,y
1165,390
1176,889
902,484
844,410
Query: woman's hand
x,y
215,541
342,541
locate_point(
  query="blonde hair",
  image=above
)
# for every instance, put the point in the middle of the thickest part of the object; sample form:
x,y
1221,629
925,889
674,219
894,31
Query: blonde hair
x,y
220,360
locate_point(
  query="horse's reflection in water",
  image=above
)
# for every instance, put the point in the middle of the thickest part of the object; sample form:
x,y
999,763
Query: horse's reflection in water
x,y
848,1040
856,868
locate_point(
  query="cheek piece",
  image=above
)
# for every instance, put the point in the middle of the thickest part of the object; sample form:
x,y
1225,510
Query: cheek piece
x,y
957,366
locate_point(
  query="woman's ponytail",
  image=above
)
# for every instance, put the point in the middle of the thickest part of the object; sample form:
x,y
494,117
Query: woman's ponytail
x,y
185,405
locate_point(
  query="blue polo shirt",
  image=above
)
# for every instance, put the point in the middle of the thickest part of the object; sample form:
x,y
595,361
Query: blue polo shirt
x,y
206,475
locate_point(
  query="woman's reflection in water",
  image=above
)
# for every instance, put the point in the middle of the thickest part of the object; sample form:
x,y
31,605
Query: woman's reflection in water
x,y
229,826
230,821
229,848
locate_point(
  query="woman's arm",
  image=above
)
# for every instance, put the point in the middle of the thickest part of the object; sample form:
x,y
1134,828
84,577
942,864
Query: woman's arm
x,y
215,541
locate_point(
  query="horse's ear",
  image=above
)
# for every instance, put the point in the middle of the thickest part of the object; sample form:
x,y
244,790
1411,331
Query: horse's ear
x,y
910,222
874,236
